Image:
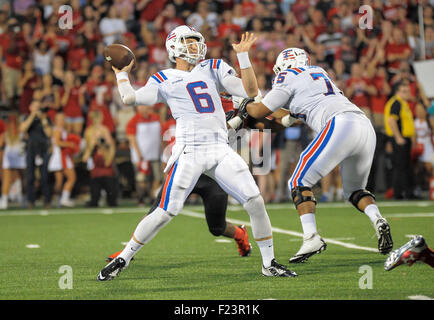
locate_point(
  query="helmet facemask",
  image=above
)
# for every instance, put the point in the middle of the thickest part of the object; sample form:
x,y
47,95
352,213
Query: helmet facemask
x,y
186,51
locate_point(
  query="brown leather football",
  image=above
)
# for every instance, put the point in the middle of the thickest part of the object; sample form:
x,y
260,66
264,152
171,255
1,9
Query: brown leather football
x,y
119,55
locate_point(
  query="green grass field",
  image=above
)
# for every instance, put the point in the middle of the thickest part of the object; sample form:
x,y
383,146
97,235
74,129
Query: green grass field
x,y
184,261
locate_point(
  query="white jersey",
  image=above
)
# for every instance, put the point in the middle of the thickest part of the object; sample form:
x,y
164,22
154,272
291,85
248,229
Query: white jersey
x,y
194,100
309,94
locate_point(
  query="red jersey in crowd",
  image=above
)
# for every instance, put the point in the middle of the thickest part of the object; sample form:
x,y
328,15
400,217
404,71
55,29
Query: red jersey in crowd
x,y
2,127
395,48
72,109
100,169
148,135
13,56
359,97
379,100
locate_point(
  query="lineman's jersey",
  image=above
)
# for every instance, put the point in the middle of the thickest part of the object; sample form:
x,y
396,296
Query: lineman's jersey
x,y
309,94
194,100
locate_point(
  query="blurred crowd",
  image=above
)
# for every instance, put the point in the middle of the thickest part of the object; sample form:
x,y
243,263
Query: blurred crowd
x,y
66,136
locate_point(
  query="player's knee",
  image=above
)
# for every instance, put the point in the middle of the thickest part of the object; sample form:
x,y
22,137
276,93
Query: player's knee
x,y
358,195
301,194
253,204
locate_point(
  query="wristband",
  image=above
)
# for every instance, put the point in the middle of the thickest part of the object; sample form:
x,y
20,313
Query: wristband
x,y
243,60
122,76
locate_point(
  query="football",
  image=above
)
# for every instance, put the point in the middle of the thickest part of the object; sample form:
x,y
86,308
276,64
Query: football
x,y
119,55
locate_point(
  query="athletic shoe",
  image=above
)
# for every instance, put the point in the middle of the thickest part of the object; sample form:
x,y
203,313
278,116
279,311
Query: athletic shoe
x,y
110,271
382,228
277,270
311,245
243,244
67,203
409,253
3,203
114,256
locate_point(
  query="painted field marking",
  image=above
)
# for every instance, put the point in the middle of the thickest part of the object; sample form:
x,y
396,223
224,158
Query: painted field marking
x,y
223,241
419,297
33,246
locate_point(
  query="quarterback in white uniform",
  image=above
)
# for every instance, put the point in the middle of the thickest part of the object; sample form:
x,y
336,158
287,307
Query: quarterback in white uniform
x,y
345,136
192,92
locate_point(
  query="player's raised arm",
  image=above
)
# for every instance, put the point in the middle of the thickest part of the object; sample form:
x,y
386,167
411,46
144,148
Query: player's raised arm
x,y
248,76
147,95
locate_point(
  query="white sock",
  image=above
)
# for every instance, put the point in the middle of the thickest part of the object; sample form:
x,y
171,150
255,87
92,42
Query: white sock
x,y
267,251
65,195
130,250
145,231
373,212
308,223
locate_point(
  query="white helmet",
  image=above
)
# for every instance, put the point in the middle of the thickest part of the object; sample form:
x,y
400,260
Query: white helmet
x,y
291,58
177,47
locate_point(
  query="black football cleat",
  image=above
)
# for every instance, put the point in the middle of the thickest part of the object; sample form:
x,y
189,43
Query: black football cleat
x,y
112,270
277,270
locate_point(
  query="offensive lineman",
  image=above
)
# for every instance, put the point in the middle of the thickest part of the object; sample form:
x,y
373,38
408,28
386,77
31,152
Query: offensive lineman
x,y
192,92
345,136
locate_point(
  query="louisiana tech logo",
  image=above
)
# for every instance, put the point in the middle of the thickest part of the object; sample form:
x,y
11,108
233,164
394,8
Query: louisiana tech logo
x,y
288,54
170,36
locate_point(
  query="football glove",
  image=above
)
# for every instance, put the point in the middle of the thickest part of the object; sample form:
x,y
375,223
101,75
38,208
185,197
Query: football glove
x,y
238,120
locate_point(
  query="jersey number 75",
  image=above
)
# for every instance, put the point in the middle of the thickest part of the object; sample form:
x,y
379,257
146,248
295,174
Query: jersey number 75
x,y
328,82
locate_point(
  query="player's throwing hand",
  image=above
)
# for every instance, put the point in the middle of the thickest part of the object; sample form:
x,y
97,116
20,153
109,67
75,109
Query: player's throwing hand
x,y
247,40
124,69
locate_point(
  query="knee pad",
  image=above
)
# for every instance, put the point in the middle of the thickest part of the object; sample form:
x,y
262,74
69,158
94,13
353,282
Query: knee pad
x,y
357,195
298,197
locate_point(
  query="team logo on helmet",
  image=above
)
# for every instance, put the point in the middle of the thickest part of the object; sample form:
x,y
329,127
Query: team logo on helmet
x,y
291,58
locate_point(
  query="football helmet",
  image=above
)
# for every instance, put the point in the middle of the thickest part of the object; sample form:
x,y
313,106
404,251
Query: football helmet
x,y
291,58
177,46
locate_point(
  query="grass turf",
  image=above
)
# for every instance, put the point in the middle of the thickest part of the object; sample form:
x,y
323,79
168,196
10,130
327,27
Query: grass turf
x,y
185,262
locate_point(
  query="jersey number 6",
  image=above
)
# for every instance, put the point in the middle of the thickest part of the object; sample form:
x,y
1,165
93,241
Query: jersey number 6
x,y
199,97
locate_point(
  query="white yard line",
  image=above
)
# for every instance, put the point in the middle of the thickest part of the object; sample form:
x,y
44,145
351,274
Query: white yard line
x,y
419,297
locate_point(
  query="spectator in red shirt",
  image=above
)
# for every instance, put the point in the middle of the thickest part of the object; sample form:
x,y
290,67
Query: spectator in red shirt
x,y
99,92
145,153
397,50
77,53
71,100
13,46
27,84
346,52
149,9
227,26
378,100
358,89
99,154
167,20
